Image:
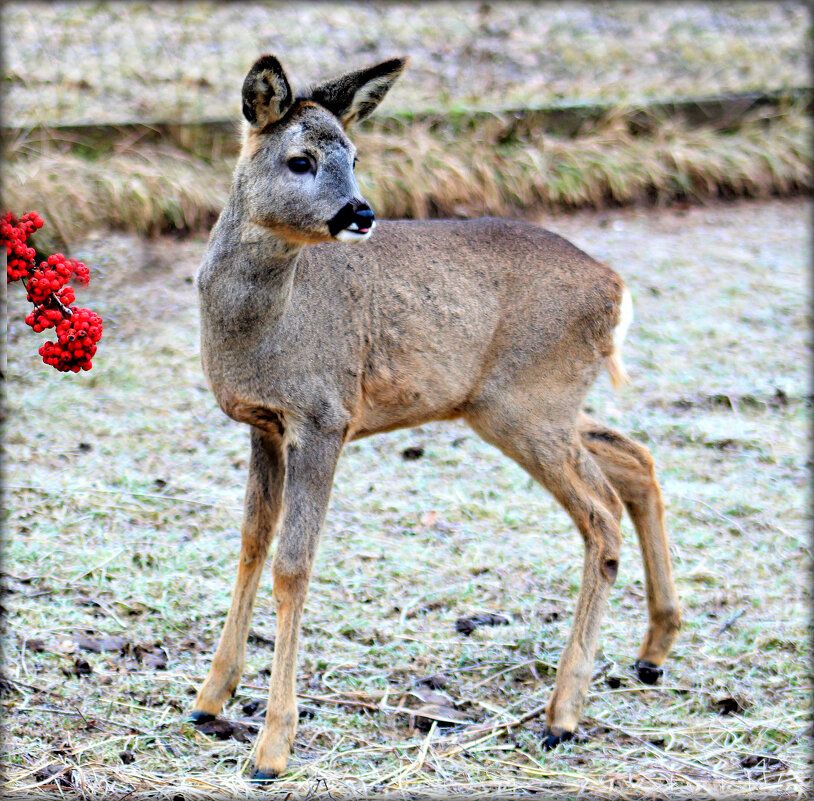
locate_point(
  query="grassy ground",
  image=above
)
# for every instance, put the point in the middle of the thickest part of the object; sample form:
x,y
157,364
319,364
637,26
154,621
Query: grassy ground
x,y
123,496
107,61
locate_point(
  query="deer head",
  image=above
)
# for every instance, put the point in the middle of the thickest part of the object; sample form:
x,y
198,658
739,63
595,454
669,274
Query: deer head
x,y
295,170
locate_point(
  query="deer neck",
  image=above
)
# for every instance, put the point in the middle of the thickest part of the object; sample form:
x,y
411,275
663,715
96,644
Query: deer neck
x,y
246,277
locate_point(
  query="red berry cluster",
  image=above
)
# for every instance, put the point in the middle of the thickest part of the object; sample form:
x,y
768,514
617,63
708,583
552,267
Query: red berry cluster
x,y
14,232
76,342
78,330
52,276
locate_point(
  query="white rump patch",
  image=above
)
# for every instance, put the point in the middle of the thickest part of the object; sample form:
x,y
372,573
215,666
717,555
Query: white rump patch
x,y
614,363
625,319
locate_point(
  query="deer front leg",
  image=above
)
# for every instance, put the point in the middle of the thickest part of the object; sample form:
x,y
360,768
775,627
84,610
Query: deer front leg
x,y
309,477
262,506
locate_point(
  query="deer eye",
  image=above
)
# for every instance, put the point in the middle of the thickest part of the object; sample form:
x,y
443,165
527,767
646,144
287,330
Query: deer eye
x,y
299,165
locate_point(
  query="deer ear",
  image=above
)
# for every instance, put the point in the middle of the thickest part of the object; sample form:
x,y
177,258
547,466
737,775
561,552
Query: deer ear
x,y
266,92
354,95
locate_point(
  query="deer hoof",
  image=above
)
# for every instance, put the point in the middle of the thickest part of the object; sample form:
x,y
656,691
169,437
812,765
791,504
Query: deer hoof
x,y
552,740
647,672
261,777
198,717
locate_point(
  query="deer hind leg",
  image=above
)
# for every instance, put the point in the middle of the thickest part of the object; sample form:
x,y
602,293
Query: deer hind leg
x,y
262,507
556,458
629,468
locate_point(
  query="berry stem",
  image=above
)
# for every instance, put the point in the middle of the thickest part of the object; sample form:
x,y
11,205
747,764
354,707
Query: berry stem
x,y
55,302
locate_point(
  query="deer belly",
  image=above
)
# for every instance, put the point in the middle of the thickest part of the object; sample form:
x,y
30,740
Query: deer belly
x,y
401,398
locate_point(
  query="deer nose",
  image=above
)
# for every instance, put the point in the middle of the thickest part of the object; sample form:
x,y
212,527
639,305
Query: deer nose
x,y
364,217
355,219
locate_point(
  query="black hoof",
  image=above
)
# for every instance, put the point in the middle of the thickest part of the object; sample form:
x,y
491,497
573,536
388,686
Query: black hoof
x,y
552,740
647,672
199,717
261,777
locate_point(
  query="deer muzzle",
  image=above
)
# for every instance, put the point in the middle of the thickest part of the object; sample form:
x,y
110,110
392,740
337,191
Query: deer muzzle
x,y
354,222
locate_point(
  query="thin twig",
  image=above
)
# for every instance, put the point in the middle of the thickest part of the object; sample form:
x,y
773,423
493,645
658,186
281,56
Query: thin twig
x,y
483,731
92,723
729,623
653,749
52,300
151,495
322,698
75,713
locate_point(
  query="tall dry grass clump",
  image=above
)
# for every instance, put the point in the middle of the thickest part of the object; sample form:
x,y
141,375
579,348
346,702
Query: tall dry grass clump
x,y
422,172
145,190
484,165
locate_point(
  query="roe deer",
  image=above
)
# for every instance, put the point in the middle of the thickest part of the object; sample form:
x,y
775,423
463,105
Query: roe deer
x,y
314,342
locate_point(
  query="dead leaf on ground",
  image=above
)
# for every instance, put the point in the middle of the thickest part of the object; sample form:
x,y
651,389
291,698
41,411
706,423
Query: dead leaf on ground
x,y
443,715
56,776
425,696
729,706
192,645
412,453
60,747
105,643
466,625
151,656
223,729
435,682
762,766
261,639
253,707
132,608
81,667
156,661
427,706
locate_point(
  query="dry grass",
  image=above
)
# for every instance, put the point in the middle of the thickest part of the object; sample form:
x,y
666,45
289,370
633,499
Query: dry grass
x,y
478,165
422,171
145,190
123,500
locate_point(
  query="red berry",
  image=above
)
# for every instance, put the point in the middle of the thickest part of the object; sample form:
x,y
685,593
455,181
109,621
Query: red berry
x,y
48,289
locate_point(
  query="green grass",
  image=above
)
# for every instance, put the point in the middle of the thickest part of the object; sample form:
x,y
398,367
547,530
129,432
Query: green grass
x,y
124,489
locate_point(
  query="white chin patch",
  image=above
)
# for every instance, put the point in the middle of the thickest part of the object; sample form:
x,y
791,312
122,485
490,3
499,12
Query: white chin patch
x,y
353,235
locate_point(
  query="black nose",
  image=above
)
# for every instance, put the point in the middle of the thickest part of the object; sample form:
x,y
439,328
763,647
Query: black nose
x,y
364,217
355,212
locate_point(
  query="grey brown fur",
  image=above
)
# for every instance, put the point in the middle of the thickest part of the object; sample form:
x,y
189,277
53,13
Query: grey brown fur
x,y
314,343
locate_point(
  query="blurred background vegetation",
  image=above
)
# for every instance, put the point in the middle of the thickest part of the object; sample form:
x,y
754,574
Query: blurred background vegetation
x,y
126,114
181,62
